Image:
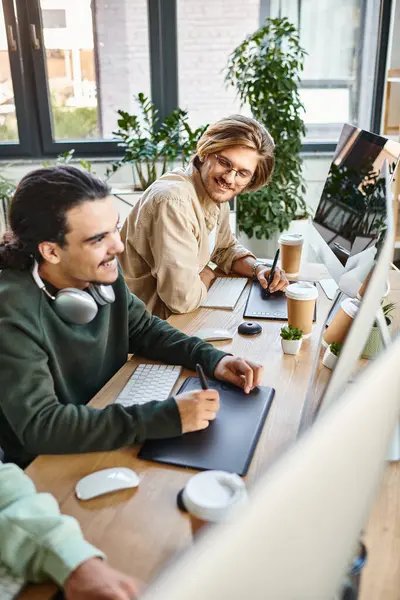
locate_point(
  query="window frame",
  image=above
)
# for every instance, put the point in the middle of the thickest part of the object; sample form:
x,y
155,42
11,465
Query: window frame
x,y
30,82
385,16
25,114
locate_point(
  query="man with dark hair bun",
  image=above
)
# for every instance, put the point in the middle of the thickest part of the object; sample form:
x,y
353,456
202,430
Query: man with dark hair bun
x,y
68,323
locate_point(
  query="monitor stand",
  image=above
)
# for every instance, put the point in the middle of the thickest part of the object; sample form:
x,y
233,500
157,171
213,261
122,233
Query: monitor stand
x,y
339,296
394,448
329,286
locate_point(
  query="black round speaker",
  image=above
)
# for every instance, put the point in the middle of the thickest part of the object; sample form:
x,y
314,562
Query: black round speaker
x,y
179,501
248,328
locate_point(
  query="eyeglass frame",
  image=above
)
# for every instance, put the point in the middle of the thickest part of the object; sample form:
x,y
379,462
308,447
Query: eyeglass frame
x,y
236,171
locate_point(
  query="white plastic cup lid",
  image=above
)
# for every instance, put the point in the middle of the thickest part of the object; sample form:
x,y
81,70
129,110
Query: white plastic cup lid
x,y
302,290
351,306
291,239
211,495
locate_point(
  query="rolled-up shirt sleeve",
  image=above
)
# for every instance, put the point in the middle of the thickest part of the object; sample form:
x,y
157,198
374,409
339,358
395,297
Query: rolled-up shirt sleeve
x,y
174,250
227,248
36,542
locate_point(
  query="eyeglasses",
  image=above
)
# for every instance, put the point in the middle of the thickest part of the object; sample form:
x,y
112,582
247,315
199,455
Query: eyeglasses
x,y
243,175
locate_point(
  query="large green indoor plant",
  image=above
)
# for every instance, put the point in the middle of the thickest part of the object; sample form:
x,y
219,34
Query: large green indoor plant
x,y
265,70
152,147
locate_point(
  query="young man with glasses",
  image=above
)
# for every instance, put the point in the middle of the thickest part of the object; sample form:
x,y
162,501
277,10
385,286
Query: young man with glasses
x,y
182,220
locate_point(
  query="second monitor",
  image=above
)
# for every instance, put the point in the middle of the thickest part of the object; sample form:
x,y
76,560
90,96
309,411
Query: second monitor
x,y
351,211
362,324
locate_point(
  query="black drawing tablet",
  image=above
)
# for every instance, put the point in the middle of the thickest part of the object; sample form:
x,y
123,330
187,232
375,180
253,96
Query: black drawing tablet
x,y
275,307
229,442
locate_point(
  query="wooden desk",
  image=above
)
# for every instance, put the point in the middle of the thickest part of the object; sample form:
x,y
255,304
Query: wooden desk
x,y
141,530
381,577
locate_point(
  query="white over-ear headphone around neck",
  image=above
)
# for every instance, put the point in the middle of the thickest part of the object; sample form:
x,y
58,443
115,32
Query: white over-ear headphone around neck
x,y
75,306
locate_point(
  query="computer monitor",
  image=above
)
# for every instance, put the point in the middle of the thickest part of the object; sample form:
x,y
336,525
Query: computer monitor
x,y
351,207
297,535
356,338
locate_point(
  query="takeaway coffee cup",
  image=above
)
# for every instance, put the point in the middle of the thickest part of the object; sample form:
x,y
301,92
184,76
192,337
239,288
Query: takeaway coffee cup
x,y
291,246
301,297
211,497
341,322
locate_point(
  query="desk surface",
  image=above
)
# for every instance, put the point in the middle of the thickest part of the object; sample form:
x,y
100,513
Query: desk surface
x,y
141,530
381,579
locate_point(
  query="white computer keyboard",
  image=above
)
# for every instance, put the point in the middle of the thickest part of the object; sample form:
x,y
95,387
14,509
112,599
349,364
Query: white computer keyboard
x,y
10,585
225,292
149,382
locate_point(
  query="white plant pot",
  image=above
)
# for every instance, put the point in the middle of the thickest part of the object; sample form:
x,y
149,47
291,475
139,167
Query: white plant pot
x,y
329,360
260,248
291,346
374,345
267,248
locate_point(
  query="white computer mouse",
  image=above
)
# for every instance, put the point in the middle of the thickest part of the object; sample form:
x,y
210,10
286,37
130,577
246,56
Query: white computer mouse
x,y
212,334
105,481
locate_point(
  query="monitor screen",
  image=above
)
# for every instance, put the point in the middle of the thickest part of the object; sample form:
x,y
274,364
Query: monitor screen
x,y
350,216
324,384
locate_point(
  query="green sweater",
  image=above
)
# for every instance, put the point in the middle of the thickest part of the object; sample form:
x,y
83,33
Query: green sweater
x,y
36,542
49,370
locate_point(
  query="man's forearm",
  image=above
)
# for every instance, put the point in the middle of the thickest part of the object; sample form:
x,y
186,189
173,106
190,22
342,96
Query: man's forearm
x,y
156,339
207,276
243,266
161,341
36,541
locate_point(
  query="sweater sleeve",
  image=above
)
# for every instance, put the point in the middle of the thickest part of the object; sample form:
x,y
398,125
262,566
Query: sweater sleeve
x,y
227,249
36,541
45,426
155,339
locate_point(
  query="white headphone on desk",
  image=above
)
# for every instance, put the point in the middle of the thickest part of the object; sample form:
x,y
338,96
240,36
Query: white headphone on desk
x,y
75,306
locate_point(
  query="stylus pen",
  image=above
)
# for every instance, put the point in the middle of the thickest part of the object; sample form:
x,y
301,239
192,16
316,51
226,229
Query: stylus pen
x,y
202,378
272,273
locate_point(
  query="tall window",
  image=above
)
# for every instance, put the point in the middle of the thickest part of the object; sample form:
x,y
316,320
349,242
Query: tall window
x,y
68,66
207,33
340,37
97,59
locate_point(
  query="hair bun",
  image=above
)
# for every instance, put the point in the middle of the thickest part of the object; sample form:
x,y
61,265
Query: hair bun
x,y
13,254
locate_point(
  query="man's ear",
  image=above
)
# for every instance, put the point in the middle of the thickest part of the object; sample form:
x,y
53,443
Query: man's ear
x,y
197,161
50,251
251,182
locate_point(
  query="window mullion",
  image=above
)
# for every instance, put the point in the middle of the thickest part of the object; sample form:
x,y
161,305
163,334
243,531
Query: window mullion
x,y
163,55
380,66
34,48
26,144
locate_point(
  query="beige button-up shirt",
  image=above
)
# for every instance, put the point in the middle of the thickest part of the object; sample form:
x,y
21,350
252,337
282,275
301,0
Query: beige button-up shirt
x,y
167,243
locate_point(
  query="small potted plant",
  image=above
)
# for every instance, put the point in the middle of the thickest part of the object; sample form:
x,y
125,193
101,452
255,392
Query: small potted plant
x,y
291,339
331,355
374,341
